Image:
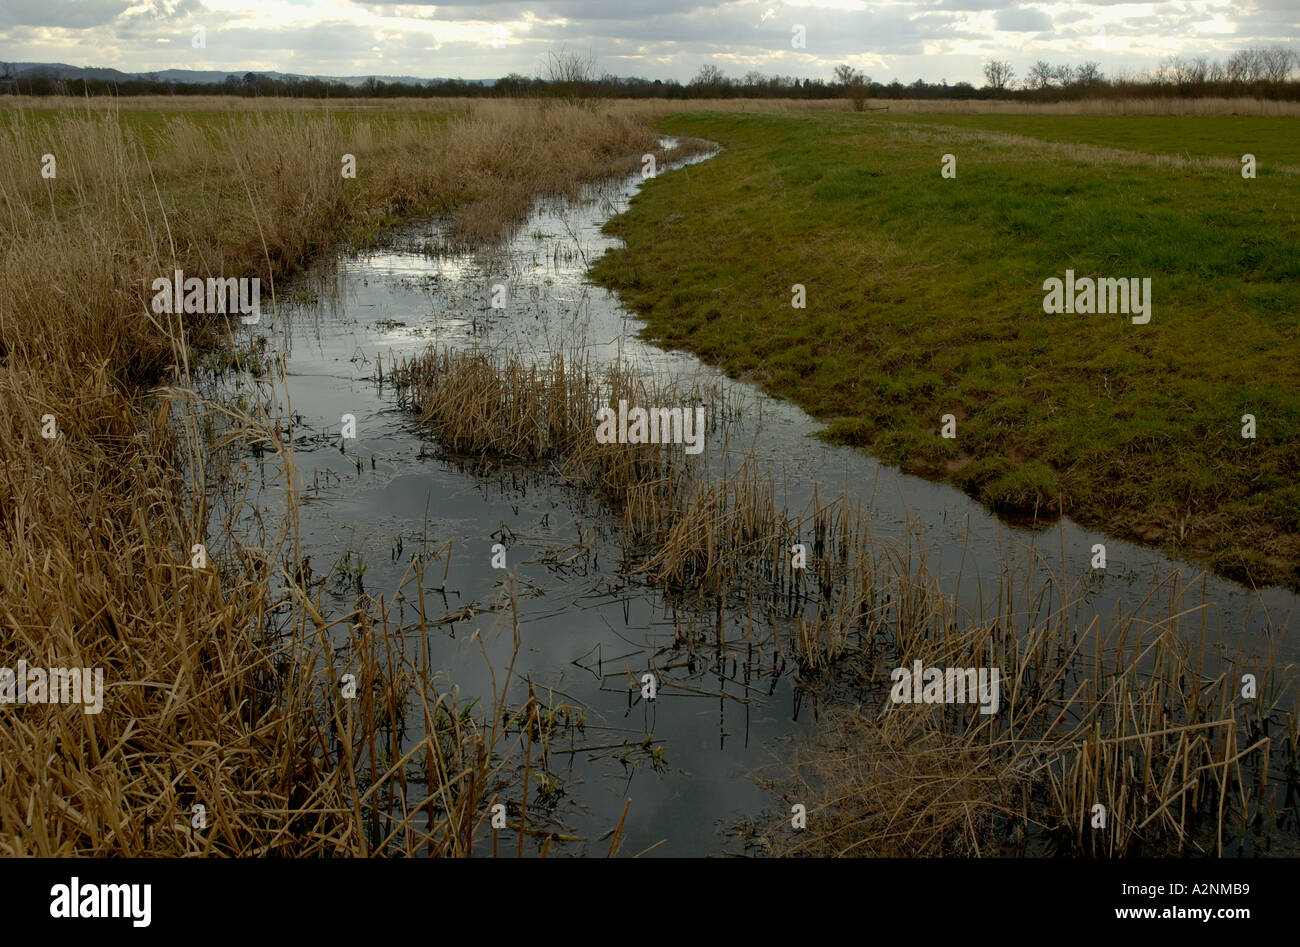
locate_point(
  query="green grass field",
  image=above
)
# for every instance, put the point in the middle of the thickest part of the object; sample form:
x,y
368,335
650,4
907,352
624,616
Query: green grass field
x,y
1271,140
925,297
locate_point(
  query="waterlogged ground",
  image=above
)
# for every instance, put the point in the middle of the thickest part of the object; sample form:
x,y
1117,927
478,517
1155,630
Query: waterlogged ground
x,y
588,630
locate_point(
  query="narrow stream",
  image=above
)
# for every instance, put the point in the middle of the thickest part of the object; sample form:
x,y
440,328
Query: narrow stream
x,y
588,631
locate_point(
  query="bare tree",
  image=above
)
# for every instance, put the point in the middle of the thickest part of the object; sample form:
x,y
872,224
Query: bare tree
x,y
1235,67
1088,74
1186,72
1041,75
709,79
1064,74
571,76
1275,63
999,73
855,85
1244,66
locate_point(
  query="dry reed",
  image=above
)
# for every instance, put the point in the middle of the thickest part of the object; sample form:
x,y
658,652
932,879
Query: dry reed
x,y
652,108
212,697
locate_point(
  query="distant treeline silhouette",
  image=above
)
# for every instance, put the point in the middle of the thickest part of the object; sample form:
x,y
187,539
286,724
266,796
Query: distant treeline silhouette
x,y
1260,72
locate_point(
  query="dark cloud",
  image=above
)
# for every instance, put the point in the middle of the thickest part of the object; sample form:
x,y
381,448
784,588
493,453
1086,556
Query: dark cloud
x,y
68,14
123,15
1023,21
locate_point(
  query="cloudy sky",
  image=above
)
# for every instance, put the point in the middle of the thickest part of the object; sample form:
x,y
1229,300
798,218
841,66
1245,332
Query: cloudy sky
x,y
663,39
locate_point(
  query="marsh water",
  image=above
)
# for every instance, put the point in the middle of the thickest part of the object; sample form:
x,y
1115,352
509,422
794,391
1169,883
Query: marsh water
x,y
588,629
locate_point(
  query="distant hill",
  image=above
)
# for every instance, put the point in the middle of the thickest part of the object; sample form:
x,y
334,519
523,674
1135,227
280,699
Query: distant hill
x,y
61,70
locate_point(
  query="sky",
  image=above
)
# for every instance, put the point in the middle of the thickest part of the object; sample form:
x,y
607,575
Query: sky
x,y
934,40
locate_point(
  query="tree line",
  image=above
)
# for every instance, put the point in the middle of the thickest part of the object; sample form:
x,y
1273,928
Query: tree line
x,y
1258,69
1266,72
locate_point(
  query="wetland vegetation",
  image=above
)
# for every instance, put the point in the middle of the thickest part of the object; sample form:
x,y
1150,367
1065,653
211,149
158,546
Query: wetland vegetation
x,y
408,695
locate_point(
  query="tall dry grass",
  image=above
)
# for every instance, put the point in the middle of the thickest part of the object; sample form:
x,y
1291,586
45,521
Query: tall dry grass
x,y
1134,712
212,698
498,407
653,108
230,103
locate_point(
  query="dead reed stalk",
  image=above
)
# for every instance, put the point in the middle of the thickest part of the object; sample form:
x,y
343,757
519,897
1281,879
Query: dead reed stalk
x,y
212,698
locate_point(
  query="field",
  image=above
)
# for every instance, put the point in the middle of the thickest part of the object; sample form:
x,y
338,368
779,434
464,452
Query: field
x,y
924,297
134,440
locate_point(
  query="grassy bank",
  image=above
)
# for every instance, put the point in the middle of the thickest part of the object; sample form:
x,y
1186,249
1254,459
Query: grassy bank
x,y
212,696
925,298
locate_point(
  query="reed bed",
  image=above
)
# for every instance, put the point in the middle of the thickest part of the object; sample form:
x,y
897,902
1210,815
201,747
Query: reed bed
x,y
503,407
212,696
1138,712
211,699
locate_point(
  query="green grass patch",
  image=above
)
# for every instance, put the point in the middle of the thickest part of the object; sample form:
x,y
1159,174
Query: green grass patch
x,y
924,297
1272,140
